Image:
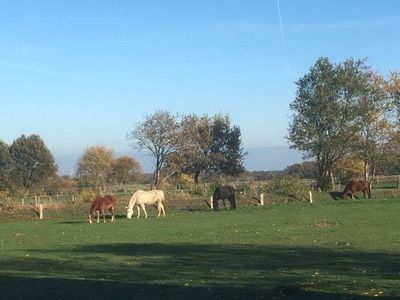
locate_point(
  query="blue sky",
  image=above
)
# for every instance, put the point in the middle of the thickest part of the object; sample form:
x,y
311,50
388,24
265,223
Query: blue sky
x,y
83,73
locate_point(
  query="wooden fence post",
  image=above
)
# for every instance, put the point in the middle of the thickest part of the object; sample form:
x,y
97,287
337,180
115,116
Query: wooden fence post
x,y
311,200
23,202
262,199
40,211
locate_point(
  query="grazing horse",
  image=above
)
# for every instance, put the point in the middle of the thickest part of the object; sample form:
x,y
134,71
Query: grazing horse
x,y
100,204
222,193
140,198
356,186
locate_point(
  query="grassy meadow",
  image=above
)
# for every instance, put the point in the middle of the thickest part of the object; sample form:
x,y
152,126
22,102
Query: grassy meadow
x,y
347,249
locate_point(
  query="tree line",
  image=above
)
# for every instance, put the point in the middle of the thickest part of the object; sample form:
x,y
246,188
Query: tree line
x,y
192,145
346,114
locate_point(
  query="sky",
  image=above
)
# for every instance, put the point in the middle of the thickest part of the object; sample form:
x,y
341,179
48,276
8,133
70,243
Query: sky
x,y
84,73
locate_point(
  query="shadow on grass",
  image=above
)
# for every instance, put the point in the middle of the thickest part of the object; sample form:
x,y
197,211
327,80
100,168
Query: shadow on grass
x,y
183,271
336,195
57,288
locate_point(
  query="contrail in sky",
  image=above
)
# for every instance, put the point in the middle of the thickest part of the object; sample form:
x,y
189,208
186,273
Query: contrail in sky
x,y
280,24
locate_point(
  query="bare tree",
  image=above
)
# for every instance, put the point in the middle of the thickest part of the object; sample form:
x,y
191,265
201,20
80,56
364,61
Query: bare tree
x,y
161,135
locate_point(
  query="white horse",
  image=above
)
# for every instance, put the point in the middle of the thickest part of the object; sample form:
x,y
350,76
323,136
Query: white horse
x,y
146,197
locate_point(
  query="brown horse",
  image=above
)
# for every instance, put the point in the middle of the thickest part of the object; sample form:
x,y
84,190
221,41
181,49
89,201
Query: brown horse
x,y
357,186
100,204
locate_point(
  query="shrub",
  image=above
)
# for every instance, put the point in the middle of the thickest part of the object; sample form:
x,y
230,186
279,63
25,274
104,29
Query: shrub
x,y
290,187
87,195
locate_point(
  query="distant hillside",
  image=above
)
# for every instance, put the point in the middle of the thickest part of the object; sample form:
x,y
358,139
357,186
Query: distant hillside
x,y
257,159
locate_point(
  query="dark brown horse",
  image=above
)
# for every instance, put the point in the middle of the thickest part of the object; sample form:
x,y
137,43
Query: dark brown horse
x,y
357,186
100,204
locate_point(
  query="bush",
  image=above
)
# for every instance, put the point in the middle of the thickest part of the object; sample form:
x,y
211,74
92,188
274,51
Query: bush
x,y
87,195
290,187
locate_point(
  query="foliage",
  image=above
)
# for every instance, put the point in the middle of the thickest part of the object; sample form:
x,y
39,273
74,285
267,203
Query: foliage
x,y
6,165
289,186
87,195
33,163
348,168
306,169
198,157
191,144
226,147
125,170
94,168
327,112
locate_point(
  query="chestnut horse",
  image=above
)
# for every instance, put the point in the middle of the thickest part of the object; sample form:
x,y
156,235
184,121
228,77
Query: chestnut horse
x,y
100,204
357,186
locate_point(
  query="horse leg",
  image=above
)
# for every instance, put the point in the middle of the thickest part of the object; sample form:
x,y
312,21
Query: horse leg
x,y
159,210
112,210
223,201
144,209
138,211
98,216
90,219
162,208
104,215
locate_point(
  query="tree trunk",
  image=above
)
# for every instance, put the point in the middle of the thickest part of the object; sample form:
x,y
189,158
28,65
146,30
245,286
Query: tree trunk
x,y
196,177
366,169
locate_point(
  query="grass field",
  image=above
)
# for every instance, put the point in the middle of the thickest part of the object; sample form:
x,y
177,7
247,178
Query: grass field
x,y
327,250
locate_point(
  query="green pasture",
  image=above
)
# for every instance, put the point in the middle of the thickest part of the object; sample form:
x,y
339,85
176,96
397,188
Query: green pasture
x,y
345,249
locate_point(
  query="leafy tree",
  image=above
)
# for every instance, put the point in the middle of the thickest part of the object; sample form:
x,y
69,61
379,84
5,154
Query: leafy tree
x,y
216,147
94,168
199,156
5,166
227,150
374,126
326,113
33,163
161,135
125,170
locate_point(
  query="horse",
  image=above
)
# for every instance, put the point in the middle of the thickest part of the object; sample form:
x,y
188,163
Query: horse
x,y
222,193
356,186
140,198
100,204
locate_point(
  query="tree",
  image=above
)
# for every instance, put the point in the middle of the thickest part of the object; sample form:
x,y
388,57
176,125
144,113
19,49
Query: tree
x,y
6,165
216,147
33,163
227,150
125,170
94,168
161,135
199,157
374,127
326,113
